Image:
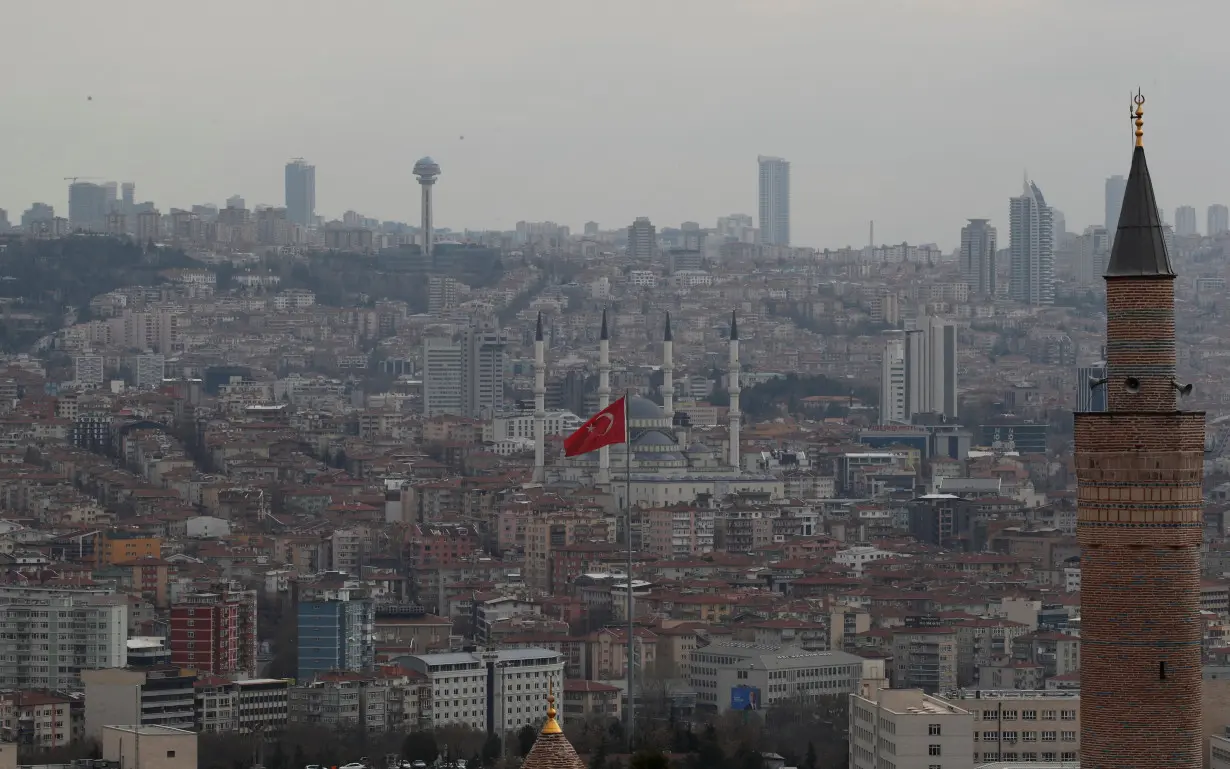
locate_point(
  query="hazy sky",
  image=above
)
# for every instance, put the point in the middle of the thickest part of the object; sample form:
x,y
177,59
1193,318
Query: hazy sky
x,y
915,113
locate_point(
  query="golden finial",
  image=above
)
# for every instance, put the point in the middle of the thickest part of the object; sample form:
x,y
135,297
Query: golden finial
x,y
1139,101
551,726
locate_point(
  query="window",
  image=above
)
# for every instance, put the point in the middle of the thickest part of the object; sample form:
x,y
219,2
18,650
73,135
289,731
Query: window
x,y
933,750
1008,715
933,730
1048,715
170,754
1029,715
1067,715
1070,756
1068,736
1048,736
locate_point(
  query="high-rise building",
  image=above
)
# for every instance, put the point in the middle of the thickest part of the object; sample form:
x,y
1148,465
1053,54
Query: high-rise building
x,y
442,378
1219,220
149,371
427,171
1115,186
931,368
1092,251
47,642
978,256
483,347
215,632
149,226
111,197
236,201
335,634
642,239
1091,387
893,403
1185,222
774,201
128,192
1030,249
300,192
1140,468
87,206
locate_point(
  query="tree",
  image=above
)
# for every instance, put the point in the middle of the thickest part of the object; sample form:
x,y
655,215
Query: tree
x,y
525,739
598,759
809,762
649,759
420,746
492,749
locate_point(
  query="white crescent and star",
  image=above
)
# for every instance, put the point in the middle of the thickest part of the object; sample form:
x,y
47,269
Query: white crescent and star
x,y
610,422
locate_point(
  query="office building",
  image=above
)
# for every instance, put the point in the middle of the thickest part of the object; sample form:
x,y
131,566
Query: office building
x,y
149,371
335,635
908,729
642,239
1140,470
45,643
300,192
931,368
111,197
893,403
774,201
237,202
1030,250
1219,220
249,706
1185,222
1090,395
427,171
150,696
499,690
87,206
483,347
89,369
1092,252
149,226
1027,726
443,372
729,675
337,700
1115,187
128,201
978,257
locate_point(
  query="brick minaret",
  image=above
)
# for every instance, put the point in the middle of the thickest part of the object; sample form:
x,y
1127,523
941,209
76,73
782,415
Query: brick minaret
x,y
1140,466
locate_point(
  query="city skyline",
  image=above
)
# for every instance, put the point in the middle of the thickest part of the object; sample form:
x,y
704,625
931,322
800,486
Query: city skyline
x,y
843,138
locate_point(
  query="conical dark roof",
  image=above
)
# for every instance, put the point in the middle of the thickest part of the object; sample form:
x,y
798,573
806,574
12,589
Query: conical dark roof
x,y
603,334
552,750
734,326
1140,248
666,337
538,330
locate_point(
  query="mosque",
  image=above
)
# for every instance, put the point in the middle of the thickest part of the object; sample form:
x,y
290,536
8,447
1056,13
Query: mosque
x,y
665,467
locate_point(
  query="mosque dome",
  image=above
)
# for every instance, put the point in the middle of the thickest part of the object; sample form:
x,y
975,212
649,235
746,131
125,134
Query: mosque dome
x,y
699,448
643,408
653,438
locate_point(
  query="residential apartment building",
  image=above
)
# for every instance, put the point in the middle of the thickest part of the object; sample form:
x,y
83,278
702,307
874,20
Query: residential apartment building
x,y
442,378
544,534
37,719
729,675
89,370
678,532
925,658
335,634
642,239
249,706
215,632
908,729
978,257
1022,725
583,699
498,690
162,695
1031,248
46,643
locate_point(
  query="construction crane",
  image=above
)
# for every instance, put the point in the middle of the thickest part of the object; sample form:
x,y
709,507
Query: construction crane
x,y
74,179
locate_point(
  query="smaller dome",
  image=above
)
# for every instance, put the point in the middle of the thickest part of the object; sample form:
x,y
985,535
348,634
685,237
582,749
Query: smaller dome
x,y
425,161
643,408
699,448
653,438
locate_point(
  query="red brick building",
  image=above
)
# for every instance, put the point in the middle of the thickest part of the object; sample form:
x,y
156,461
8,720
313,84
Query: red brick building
x,y
1139,465
215,632
436,545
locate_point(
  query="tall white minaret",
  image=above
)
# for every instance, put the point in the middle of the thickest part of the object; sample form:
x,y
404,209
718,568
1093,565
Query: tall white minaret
x,y
668,371
540,405
604,396
733,414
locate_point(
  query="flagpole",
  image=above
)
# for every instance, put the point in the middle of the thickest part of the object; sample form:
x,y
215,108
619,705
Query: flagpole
x,y
631,626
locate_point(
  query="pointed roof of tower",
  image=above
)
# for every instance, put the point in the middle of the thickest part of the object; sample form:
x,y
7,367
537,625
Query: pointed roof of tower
x,y
603,334
538,330
1140,245
552,750
734,327
666,336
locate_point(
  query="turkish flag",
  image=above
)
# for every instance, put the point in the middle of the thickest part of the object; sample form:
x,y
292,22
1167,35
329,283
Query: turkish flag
x,y
605,428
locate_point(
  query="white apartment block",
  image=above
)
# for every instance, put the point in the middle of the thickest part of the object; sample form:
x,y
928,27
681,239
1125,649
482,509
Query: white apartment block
x,y
643,278
149,371
293,299
520,679
46,643
521,425
340,699
1026,726
907,729
443,372
729,675
89,369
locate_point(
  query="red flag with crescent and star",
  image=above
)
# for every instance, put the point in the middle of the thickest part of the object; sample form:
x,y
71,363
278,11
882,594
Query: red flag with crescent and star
x,y
607,427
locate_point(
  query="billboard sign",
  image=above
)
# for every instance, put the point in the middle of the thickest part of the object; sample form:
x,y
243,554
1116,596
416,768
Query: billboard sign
x,y
744,698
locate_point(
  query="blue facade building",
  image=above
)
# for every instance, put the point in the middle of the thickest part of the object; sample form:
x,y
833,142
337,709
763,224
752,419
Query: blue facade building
x,y
335,635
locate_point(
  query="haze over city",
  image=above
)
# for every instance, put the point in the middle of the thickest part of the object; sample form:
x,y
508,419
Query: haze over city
x,y
915,114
